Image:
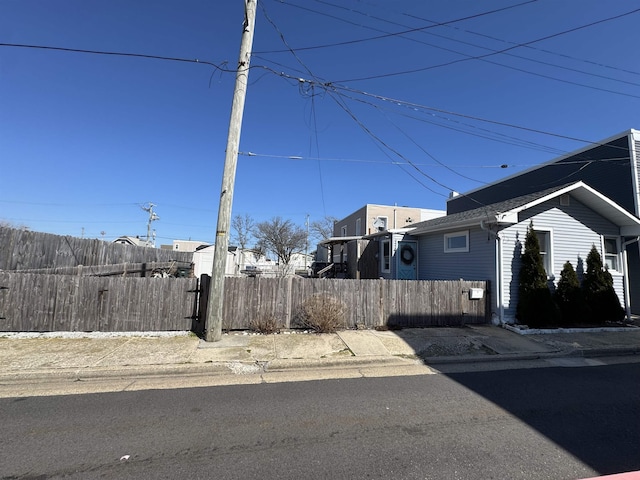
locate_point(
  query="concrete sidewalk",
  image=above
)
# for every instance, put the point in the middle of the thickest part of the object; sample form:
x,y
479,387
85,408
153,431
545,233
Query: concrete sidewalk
x,y
95,355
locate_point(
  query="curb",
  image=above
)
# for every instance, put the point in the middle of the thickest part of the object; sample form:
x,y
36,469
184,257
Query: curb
x,y
278,365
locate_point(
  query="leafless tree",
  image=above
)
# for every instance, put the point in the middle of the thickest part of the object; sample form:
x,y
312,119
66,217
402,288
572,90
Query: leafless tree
x,y
8,224
243,227
323,228
282,238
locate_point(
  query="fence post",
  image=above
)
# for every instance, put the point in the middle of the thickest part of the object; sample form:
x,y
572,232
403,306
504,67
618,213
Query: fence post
x,y
288,301
203,302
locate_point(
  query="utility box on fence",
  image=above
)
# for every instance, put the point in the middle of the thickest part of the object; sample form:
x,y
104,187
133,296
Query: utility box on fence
x,y
476,293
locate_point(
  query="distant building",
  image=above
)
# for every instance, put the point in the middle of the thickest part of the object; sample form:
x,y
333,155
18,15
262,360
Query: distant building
x,y
135,241
188,245
377,218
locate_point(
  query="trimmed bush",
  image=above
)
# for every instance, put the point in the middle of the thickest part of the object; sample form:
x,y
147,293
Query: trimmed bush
x,y
570,298
322,313
536,307
599,293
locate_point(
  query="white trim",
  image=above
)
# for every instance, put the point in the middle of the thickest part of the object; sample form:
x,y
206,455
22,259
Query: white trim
x,y
604,253
447,236
549,268
634,169
607,208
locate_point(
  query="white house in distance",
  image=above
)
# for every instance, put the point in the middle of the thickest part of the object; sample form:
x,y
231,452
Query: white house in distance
x,y
245,263
135,241
185,245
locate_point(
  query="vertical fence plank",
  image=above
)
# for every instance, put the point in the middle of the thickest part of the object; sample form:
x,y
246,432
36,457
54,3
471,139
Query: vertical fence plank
x,y
32,302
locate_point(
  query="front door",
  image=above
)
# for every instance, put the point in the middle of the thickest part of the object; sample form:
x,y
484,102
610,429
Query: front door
x,y
407,260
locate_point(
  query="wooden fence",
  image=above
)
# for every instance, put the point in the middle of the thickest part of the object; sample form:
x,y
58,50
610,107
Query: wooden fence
x,y
369,303
37,302
144,269
25,250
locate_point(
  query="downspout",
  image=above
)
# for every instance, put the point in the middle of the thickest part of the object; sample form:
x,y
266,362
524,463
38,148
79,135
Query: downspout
x,y
625,273
498,271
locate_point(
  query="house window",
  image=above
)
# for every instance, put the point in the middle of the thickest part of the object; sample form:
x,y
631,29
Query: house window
x,y
544,239
385,258
344,231
456,242
611,253
358,227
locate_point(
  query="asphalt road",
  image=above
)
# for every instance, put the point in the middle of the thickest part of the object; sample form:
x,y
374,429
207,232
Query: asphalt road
x,y
551,423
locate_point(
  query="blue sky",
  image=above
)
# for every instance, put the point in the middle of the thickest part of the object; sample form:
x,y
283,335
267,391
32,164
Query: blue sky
x,y
87,139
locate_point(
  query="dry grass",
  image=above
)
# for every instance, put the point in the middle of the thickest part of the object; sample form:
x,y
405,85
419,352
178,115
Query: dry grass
x,y
266,323
322,314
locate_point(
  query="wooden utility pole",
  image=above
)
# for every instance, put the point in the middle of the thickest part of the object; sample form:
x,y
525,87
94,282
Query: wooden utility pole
x,y
216,292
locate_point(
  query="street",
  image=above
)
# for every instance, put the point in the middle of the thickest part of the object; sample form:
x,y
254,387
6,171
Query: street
x,y
548,423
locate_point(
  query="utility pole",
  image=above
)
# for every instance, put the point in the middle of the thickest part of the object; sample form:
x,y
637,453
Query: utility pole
x,y
306,248
152,218
216,293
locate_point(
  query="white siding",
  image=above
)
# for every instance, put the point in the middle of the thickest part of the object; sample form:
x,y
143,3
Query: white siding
x,y
574,230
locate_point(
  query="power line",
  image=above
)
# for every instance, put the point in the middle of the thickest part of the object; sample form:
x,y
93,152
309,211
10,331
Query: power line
x,y
394,162
485,48
496,52
121,54
386,35
330,86
531,47
378,141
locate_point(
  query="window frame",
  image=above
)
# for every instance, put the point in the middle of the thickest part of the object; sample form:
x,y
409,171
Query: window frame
x,y
547,256
358,226
607,256
461,233
343,231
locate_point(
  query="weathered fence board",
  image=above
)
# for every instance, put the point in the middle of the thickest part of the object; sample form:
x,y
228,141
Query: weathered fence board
x,y
37,302
144,269
368,303
31,302
25,250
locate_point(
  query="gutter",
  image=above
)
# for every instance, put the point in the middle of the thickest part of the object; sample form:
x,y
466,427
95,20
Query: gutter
x,y
625,267
498,271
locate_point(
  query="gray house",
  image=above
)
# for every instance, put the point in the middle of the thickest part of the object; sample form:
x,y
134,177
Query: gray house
x,y
487,242
611,166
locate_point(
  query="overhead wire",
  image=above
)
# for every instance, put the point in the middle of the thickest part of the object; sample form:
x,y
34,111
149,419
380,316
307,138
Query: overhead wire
x,y
378,141
448,38
395,162
334,87
121,54
385,35
531,47
467,56
324,83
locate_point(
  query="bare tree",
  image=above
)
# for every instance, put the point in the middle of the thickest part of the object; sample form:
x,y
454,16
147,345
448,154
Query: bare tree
x,y
323,229
282,238
8,224
243,227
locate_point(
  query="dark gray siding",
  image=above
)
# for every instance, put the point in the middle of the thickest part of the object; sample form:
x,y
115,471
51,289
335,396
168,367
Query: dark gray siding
x,y
606,168
476,264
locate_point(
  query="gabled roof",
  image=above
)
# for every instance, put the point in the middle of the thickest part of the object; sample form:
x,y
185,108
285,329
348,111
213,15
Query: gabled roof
x,y
506,212
590,146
